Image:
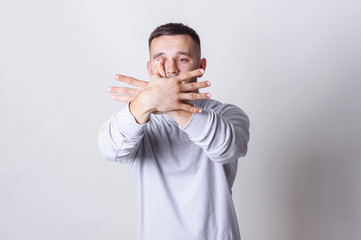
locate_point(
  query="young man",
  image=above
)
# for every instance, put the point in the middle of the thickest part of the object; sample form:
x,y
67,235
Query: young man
x,y
181,146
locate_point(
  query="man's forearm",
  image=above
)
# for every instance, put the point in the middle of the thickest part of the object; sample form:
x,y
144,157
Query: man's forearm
x,y
140,109
222,132
119,137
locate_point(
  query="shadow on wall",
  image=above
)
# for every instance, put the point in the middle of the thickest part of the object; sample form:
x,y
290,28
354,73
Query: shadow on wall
x,y
325,152
302,177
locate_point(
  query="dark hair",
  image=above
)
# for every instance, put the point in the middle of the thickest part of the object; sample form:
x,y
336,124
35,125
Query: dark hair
x,y
174,29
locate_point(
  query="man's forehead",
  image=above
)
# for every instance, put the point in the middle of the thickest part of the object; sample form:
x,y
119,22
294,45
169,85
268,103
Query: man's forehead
x,y
172,41
173,44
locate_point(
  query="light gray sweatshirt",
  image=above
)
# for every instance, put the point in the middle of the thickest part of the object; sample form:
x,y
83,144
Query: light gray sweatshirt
x,y
184,175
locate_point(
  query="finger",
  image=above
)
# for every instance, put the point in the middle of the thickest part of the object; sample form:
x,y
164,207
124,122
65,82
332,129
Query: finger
x,y
186,87
131,81
194,96
161,69
156,69
189,75
121,98
123,90
189,108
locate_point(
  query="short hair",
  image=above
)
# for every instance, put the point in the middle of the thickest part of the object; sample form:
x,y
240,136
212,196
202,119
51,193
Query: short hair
x,y
175,29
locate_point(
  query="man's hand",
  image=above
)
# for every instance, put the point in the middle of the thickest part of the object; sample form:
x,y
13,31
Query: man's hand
x,y
125,94
161,95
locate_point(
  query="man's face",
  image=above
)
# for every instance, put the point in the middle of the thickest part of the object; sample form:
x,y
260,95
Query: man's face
x,y
178,53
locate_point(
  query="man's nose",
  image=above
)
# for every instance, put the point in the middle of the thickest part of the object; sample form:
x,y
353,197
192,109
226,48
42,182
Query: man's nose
x,y
171,68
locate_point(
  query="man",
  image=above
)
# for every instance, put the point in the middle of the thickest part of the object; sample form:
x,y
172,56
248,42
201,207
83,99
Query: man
x,y
181,146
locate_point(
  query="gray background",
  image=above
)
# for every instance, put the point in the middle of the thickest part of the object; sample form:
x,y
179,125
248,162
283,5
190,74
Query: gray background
x,y
293,66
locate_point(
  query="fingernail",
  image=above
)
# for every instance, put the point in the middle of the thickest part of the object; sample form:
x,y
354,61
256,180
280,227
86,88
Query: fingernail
x,y
112,96
116,76
202,71
156,62
200,110
208,83
208,95
109,89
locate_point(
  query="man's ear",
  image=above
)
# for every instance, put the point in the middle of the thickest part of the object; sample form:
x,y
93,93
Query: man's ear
x,y
149,67
203,64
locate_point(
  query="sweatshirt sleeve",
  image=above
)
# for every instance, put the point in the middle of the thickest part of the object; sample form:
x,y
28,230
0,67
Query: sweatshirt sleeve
x,y
222,132
120,136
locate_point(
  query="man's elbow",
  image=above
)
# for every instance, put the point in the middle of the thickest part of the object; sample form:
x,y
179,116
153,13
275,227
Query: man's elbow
x,y
107,152
243,150
111,155
230,155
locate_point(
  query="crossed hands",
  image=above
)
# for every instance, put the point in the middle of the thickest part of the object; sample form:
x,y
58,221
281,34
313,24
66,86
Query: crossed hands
x,y
161,94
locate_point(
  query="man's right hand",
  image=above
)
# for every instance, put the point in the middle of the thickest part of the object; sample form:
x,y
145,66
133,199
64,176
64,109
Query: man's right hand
x,y
163,95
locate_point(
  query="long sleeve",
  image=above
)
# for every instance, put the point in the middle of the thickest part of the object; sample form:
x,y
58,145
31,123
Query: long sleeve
x,y
182,191
222,132
120,136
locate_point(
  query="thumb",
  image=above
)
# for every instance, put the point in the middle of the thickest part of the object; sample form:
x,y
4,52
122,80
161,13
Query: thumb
x,y
156,72
161,69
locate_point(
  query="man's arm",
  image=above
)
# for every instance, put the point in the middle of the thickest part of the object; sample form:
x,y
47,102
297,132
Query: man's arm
x,y
222,131
224,134
120,136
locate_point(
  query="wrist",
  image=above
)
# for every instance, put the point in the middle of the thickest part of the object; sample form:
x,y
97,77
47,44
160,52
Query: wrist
x,y
141,108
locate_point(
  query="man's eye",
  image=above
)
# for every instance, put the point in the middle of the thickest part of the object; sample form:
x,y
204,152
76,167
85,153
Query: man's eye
x,y
182,60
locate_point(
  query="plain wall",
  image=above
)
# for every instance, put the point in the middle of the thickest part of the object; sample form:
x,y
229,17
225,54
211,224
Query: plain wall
x,y
293,66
